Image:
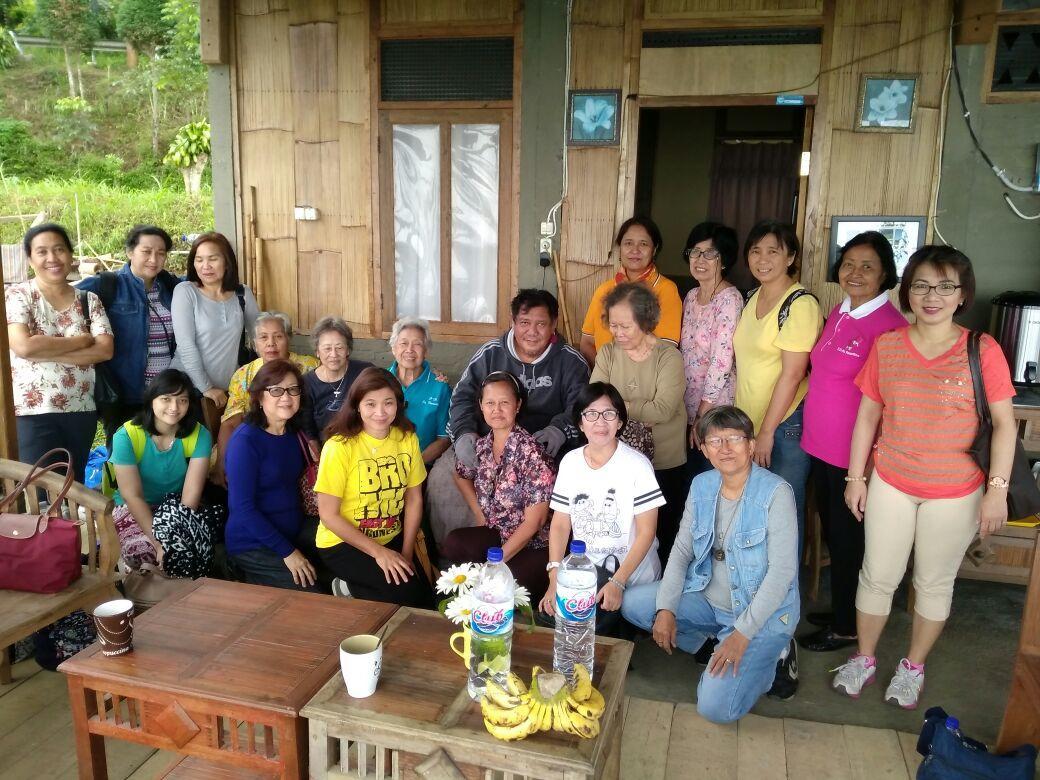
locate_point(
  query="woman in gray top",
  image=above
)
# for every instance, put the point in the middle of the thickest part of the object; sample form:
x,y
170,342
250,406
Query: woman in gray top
x,y
211,313
732,574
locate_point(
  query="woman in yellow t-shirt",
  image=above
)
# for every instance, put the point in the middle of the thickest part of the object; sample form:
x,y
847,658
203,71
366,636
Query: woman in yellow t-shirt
x,y
777,330
369,490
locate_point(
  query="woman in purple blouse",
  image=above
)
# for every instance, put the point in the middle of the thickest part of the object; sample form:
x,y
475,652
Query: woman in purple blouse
x,y
710,315
508,492
865,269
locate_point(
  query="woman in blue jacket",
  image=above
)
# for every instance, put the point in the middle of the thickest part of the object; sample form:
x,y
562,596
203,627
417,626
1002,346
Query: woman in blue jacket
x,y
137,300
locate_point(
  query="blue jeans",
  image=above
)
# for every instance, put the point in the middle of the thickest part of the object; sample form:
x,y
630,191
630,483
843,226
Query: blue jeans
x,y
790,461
725,698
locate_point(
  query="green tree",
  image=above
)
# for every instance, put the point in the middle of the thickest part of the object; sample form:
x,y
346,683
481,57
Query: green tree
x,y
182,71
73,24
143,25
14,12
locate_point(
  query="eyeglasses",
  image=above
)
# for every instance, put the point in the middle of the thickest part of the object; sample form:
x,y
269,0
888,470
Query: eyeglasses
x,y
591,415
693,253
277,391
944,289
715,442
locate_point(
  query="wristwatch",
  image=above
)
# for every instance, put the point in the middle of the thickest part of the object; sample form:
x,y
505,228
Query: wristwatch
x,y
998,482
552,565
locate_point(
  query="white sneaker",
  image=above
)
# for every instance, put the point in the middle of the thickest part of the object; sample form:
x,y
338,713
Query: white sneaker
x,y
339,588
905,688
853,676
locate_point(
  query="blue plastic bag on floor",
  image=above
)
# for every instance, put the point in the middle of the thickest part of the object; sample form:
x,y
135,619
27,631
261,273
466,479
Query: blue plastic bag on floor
x,y
95,463
948,755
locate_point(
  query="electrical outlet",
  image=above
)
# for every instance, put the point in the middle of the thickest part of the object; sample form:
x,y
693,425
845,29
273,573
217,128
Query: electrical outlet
x,y
545,246
547,229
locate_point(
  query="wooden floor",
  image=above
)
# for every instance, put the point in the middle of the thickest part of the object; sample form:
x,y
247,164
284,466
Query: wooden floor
x,y
660,740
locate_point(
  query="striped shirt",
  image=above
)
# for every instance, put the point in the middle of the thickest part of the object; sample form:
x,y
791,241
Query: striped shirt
x,y
160,336
928,418
602,504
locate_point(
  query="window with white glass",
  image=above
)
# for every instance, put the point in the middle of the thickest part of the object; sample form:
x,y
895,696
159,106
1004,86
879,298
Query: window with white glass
x,y
445,220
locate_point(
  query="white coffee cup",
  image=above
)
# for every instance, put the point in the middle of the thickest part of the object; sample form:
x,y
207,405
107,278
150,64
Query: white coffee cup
x,y
361,660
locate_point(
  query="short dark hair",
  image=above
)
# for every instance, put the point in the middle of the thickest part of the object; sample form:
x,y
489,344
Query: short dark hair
x,y
133,238
784,233
945,258
591,393
47,227
531,298
647,224
170,382
882,248
723,237
347,422
272,373
646,309
505,378
230,281
719,418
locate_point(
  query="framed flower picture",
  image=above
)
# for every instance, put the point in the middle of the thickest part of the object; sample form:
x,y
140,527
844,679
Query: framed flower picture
x,y
886,103
594,117
905,234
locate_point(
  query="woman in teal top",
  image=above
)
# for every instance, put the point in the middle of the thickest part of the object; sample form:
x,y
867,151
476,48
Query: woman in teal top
x,y
161,459
426,395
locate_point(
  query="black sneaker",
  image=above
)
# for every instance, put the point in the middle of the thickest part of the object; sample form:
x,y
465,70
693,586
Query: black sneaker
x,y
785,684
703,656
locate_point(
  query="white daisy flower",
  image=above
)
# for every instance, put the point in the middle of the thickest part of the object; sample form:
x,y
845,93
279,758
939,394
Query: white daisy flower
x,y
521,597
457,579
459,609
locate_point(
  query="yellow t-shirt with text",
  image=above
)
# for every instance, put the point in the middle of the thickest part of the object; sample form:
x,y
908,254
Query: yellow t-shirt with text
x,y
370,477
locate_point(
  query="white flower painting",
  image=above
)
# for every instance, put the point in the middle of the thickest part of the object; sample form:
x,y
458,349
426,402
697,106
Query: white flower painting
x,y
887,103
593,118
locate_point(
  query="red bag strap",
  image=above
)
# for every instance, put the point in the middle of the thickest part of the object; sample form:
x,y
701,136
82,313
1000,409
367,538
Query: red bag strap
x,y
35,472
305,445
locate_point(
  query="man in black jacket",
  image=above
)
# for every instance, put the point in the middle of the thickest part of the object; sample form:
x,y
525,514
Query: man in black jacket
x,y
552,373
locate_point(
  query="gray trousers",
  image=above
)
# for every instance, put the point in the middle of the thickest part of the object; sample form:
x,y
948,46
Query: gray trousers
x,y
448,509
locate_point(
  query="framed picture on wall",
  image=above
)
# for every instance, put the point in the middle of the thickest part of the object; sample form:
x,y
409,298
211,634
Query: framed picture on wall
x,y
905,234
594,117
886,103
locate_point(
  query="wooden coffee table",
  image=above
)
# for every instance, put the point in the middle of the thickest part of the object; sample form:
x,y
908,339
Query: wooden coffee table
x,y
421,710
219,672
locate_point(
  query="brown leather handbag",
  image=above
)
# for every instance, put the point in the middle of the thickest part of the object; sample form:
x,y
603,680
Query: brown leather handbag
x,y
147,586
39,553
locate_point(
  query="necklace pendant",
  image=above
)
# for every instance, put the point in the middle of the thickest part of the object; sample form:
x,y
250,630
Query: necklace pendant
x,y
719,554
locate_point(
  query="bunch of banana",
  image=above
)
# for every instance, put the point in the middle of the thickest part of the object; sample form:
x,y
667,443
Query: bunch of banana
x,y
515,712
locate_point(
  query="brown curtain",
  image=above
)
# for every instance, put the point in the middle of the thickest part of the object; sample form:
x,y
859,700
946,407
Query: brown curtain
x,y
751,182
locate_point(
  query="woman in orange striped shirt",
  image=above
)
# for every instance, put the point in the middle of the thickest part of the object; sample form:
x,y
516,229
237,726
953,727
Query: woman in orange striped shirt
x,y
926,493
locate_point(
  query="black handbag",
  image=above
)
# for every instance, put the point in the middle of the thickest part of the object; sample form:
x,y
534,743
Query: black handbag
x,y
106,387
1023,495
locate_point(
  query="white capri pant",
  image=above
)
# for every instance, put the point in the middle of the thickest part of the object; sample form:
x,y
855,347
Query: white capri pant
x,y
938,530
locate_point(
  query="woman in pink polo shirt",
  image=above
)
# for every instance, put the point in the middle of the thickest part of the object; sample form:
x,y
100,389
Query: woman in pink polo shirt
x,y
866,270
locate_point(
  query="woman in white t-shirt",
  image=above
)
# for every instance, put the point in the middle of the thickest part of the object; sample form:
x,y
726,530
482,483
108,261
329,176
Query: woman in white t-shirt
x,y
606,495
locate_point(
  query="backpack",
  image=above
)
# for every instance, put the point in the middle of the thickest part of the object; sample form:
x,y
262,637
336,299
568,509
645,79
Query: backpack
x,y
785,307
246,354
138,438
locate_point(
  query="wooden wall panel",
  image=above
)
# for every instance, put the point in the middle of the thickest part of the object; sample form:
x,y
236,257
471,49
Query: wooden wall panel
x,y
443,11
736,9
356,290
312,49
597,56
278,277
263,71
729,70
266,159
317,184
307,11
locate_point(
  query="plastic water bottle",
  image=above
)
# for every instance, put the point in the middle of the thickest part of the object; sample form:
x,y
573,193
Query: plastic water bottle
x,y
575,641
491,624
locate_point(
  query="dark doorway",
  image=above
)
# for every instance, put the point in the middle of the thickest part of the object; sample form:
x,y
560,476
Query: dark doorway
x,y
735,165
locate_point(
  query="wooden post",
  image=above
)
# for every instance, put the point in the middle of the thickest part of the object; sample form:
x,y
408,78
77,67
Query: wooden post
x,y
8,430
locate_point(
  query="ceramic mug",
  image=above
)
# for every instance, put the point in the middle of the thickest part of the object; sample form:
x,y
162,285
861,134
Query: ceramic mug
x,y
465,635
115,626
361,661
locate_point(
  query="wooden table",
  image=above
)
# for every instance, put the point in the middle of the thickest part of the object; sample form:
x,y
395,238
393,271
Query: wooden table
x,y
421,708
219,671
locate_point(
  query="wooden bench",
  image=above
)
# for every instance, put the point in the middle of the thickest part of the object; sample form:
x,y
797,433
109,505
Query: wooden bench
x,y
21,614
1022,714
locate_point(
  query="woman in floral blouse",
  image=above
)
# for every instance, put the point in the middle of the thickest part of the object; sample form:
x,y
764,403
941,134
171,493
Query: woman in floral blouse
x,y
56,334
710,315
508,492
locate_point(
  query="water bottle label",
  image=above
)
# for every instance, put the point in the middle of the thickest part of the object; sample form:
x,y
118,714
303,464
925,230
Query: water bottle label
x,y
575,605
491,619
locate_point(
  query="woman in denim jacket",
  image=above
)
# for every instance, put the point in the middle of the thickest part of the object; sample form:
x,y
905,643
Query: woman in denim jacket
x,y
732,575
137,300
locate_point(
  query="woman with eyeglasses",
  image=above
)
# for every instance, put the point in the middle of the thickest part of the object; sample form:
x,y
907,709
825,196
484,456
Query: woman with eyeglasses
x,y
327,386
637,244
267,537
926,494
733,574
710,315
369,491
605,495
508,491
866,270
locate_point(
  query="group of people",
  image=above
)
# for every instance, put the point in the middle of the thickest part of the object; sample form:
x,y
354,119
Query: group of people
x,y
677,441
